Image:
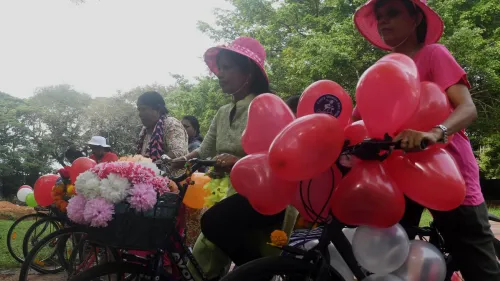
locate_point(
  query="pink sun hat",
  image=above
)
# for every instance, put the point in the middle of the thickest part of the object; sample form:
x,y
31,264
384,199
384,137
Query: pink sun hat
x,y
246,46
366,23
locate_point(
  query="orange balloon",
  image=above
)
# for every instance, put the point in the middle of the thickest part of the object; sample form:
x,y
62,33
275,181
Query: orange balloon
x,y
79,166
195,194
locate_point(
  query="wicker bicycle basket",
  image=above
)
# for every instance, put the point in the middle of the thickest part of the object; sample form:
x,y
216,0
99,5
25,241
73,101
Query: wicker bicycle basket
x,y
139,230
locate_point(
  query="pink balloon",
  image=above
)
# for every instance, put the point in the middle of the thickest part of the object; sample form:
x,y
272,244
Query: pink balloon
x,y
252,178
356,132
433,108
405,62
430,178
316,194
368,196
328,97
24,186
267,116
306,147
387,96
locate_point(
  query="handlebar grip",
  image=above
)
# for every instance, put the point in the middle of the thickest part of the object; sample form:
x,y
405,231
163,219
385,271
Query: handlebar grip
x,y
206,162
423,144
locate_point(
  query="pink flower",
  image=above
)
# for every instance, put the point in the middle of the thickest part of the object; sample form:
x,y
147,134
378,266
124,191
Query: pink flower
x,y
75,208
98,212
160,184
142,197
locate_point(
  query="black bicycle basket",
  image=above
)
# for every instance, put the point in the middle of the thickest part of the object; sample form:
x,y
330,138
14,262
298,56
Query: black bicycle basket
x,y
134,230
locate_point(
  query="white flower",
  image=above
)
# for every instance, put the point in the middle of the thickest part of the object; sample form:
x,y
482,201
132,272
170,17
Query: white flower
x,y
114,188
150,165
87,184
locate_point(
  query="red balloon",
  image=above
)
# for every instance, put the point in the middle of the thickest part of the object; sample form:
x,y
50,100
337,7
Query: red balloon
x,y
316,194
356,132
433,109
306,147
79,166
387,96
430,178
368,196
267,116
24,186
405,62
328,97
252,178
43,189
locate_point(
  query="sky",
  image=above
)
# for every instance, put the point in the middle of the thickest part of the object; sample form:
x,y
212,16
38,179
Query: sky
x,y
101,46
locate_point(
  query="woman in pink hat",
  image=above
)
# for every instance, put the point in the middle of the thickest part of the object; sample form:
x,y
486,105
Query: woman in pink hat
x,y
226,226
412,28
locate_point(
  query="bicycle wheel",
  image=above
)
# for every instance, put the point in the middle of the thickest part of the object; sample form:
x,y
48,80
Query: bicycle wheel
x,y
38,231
16,233
278,268
51,254
115,271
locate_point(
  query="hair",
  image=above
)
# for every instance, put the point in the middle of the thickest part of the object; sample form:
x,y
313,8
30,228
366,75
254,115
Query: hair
x,y
413,10
293,102
194,122
154,100
72,154
259,84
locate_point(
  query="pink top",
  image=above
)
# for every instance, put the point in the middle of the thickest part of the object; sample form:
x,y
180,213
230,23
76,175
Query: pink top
x,y
436,64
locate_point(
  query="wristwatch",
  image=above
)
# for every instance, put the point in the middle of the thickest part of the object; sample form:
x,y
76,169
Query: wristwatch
x,y
444,138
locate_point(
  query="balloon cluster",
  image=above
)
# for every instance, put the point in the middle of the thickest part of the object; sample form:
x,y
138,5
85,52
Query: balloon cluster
x,y
293,161
25,194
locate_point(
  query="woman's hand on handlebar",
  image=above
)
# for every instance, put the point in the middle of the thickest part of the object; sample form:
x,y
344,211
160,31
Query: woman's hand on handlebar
x,y
411,140
226,161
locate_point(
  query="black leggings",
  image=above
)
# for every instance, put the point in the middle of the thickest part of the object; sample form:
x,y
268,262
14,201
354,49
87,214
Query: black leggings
x,y
467,234
227,224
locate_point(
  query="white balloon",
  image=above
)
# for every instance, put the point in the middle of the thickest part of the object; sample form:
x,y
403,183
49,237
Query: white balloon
x,y
22,193
424,263
336,260
349,233
380,277
381,250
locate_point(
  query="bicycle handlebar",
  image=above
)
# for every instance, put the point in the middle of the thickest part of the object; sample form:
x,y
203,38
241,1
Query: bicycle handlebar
x,y
371,149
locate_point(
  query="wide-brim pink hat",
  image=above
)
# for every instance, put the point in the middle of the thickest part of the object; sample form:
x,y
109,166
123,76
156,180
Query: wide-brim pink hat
x,y
366,22
246,46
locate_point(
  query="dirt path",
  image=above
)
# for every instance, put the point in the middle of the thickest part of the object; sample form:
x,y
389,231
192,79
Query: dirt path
x,y
12,211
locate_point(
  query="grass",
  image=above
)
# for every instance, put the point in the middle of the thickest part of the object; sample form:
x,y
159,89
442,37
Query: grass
x,y
6,260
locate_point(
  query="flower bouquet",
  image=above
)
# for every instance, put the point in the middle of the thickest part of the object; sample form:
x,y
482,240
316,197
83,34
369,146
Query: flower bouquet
x,y
63,190
125,204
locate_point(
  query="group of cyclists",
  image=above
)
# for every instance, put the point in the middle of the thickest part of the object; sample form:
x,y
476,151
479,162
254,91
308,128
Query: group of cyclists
x,y
231,230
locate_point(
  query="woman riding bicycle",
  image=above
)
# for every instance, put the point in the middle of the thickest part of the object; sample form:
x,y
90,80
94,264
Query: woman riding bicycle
x,y
412,28
240,69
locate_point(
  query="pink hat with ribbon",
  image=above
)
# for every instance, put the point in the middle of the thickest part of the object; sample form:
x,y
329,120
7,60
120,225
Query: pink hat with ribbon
x,y
246,46
366,22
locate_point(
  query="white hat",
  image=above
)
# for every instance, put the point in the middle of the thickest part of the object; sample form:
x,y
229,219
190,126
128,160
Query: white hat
x,y
98,141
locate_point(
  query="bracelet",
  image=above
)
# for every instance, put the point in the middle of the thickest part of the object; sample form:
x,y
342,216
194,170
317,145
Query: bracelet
x,y
444,139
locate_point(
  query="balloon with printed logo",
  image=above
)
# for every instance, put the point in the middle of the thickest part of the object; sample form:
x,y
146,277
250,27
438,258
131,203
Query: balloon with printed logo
x,y
418,174
313,197
79,166
43,189
368,196
306,147
268,114
387,95
328,97
268,194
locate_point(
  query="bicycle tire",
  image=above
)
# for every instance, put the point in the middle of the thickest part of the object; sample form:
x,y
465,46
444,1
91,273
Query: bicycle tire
x,y
11,231
26,241
28,263
265,268
120,268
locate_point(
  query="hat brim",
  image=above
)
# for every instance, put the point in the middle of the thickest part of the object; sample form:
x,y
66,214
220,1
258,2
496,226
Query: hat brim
x,y
366,23
98,144
210,58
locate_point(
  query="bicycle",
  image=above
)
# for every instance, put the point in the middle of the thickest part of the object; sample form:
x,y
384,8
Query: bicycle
x,y
314,264
131,266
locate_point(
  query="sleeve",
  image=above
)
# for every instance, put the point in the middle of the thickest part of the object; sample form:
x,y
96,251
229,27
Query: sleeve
x,y
175,138
445,70
208,146
112,157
